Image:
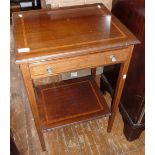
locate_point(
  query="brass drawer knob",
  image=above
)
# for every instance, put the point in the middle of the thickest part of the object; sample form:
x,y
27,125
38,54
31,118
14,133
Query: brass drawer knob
x,y
49,70
113,58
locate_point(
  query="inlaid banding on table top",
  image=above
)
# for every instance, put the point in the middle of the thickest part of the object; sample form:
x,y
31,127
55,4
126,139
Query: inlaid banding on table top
x,y
93,35
28,40
68,31
24,33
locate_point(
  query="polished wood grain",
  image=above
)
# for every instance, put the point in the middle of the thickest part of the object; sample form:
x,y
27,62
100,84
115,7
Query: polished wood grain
x,y
119,88
83,138
69,39
39,69
70,101
31,94
67,32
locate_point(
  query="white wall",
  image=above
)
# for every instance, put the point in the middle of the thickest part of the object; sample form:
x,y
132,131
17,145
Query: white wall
x,y
61,3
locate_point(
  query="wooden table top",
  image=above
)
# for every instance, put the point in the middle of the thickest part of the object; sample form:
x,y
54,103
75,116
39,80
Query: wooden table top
x,y
65,32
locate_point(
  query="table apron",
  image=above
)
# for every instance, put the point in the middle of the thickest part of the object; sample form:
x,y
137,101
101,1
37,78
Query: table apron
x,y
41,69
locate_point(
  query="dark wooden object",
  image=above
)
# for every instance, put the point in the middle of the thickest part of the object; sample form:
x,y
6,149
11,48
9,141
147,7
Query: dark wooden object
x,y
132,14
13,147
70,101
51,42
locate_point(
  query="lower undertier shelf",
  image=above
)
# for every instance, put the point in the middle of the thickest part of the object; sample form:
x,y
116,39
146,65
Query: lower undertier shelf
x,y
70,101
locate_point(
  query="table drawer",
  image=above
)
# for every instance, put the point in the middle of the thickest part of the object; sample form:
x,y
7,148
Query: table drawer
x,y
54,67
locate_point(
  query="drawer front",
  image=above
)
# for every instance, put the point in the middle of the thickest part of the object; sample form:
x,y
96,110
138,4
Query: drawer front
x,y
54,67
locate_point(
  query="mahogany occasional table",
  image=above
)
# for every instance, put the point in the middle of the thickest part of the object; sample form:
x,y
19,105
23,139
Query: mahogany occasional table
x,y
51,42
